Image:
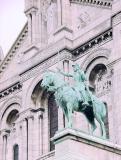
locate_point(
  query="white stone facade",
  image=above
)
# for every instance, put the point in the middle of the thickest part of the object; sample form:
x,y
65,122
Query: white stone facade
x,y
58,34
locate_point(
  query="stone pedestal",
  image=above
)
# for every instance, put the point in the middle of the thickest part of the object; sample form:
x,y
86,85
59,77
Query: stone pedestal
x,y
72,144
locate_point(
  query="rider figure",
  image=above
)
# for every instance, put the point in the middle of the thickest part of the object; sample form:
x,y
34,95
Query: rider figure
x,y
80,86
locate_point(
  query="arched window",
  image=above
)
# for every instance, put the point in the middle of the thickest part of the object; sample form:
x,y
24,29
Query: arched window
x,y
12,117
96,78
53,118
16,152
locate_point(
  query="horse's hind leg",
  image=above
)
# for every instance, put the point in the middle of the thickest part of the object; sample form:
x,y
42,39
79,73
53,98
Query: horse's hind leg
x,y
103,131
93,127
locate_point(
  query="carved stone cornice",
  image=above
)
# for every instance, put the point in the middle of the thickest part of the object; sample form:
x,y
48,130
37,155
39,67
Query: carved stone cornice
x,y
116,19
10,90
98,3
93,42
14,48
41,67
45,65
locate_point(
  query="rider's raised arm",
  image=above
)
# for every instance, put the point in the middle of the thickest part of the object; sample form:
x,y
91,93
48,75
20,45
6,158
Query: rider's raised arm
x,y
65,74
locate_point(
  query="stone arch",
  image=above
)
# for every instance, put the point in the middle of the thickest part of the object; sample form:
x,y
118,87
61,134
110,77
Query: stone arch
x,y
94,61
7,103
31,87
46,101
40,99
9,113
102,52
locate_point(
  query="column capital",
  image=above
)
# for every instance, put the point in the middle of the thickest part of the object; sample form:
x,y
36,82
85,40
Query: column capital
x,y
30,117
5,132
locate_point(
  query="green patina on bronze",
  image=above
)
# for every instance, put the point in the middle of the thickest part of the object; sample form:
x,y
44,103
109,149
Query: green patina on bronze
x,y
75,98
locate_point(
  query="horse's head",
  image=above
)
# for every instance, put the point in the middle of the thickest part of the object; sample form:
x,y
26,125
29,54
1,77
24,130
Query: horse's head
x,y
48,80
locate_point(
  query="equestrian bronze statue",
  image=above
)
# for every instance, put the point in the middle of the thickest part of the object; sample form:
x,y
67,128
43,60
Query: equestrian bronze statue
x,y
75,98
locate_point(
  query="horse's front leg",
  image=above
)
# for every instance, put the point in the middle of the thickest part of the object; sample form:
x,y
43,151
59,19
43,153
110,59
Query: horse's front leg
x,y
69,108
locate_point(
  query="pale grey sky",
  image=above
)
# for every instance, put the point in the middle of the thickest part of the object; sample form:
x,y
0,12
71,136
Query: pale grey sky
x,y
12,20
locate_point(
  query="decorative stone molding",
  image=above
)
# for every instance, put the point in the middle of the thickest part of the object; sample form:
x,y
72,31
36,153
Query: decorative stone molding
x,y
98,3
116,19
1,55
96,54
10,90
47,156
30,10
44,6
6,110
93,42
45,65
14,48
103,87
78,51
5,132
30,117
28,54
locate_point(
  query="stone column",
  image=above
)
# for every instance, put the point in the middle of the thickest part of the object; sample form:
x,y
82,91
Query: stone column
x,y
34,23
24,140
40,27
61,119
1,147
29,29
30,137
20,141
44,31
36,137
66,68
40,134
59,11
46,140
66,12
4,144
